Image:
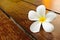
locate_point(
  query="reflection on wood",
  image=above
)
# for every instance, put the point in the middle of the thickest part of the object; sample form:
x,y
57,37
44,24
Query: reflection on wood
x,y
52,4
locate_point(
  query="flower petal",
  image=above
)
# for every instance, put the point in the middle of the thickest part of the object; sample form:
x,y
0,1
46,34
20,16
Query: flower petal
x,y
48,27
35,27
41,10
32,15
50,16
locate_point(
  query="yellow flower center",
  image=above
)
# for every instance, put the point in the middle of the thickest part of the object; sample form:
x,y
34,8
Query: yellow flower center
x,y
42,18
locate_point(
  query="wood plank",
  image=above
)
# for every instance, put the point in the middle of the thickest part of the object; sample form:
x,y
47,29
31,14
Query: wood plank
x,y
17,15
36,2
19,12
9,30
50,4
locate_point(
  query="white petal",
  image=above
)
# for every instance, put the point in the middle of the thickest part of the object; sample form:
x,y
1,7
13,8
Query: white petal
x,y
48,27
41,10
32,15
35,27
50,16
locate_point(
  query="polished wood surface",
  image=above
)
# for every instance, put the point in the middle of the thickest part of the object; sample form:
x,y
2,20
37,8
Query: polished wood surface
x,y
9,30
19,10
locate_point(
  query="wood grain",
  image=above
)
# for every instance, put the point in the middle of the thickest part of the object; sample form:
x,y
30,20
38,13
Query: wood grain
x,y
19,11
36,2
10,31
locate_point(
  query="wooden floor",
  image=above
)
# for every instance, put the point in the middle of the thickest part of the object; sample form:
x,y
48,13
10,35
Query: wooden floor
x,y
14,23
9,30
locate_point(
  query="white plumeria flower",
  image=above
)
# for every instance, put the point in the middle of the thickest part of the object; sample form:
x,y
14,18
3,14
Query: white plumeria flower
x,y
41,18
